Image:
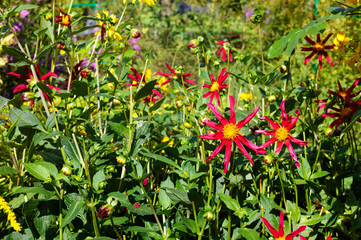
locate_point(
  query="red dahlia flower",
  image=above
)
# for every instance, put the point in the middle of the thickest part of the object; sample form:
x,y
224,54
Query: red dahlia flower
x,y
282,133
342,114
216,86
280,234
176,75
136,78
225,49
63,19
228,132
319,48
154,96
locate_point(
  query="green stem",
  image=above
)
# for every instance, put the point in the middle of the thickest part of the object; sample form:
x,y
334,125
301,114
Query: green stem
x,y
283,190
260,46
115,229
195,216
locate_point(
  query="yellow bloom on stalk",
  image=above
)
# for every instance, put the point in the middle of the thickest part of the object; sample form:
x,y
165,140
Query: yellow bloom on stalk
x,y
110,27
11,215
149,2
164,87
246,96
355,2
341,41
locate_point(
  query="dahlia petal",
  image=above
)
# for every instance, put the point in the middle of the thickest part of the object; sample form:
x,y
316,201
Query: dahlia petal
x,y
329,238
215,136
282,107
207,85
308,58
293,121
328,37
230,57
170,69
329,47
318,37
48,75
321,106
306,48
303,238
297,141
211,99
168,81
281,232
20,87
310,40
292,151
243,122
320,61
212,78
188,75
270,228
227,155
207,94
168,75
220,118
189,81
327,58
271,122
266,132
337,123
243,150
224,56
352,86
214,125
218,100
38,69
233,114
295,233
269,142
221,42
279,146
22,77
217,150
330,115
251,145
220,50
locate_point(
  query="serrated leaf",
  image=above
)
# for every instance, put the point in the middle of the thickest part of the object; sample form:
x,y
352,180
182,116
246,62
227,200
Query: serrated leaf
x,y
314,219
231,203
292,42
145,91
73,211
278,46
177,195
37,171
26,119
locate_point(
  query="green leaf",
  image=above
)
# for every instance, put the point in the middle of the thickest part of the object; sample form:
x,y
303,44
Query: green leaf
x,y
22,7
79,88
3,102
268,204
98,178
304,170
145,91
5,170
161,158
49,29
315,27
205,76
35,190
110,74
354,119
319,174
356,225
231,203
164,200
37,171
156,105
137,229
45,89
177,195
53,171
73,211
278,46
27,119
313,220
70,151
14,52
249,234
294,40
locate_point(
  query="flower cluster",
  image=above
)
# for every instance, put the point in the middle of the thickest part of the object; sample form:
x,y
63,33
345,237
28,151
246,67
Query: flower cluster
x,y
11,215
107,26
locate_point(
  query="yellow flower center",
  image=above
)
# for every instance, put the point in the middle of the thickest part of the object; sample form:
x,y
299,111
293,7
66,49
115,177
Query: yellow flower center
x,y
343,94
282,134
318,46
31,80
214,87
230,131
346,112
280,238
65,20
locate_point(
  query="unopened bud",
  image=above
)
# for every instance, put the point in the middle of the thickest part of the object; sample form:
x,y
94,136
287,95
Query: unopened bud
x,y
48,16
116,102
60,46
193,43
121,160
66,171
283,69
209,216
268,159
271,98
105,211
134,33
328,132
84,73
179,104
303,84
187,125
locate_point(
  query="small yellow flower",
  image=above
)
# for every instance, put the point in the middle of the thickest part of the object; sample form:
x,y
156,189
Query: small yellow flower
x,y
246,96
353,60
164,87
11,215
148,74
341,41
108,23
149,2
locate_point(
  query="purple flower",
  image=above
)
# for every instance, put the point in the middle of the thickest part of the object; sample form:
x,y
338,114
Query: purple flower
x,y
24,13
248,11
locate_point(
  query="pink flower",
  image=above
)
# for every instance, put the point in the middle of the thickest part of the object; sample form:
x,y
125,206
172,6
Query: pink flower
x,y
176,75
145,182
282,133
318,48
216,86
228,132
224,50
280,234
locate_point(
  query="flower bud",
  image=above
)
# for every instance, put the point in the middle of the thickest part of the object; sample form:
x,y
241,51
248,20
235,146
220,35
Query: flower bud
x,y
283,69
121,160
187,125
268,159
271,98
179,104
145,182
116,102
209,216
110,85
105,211
216,63
66,171
329,132
134,33
303,84
84,73
193,43
60,46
